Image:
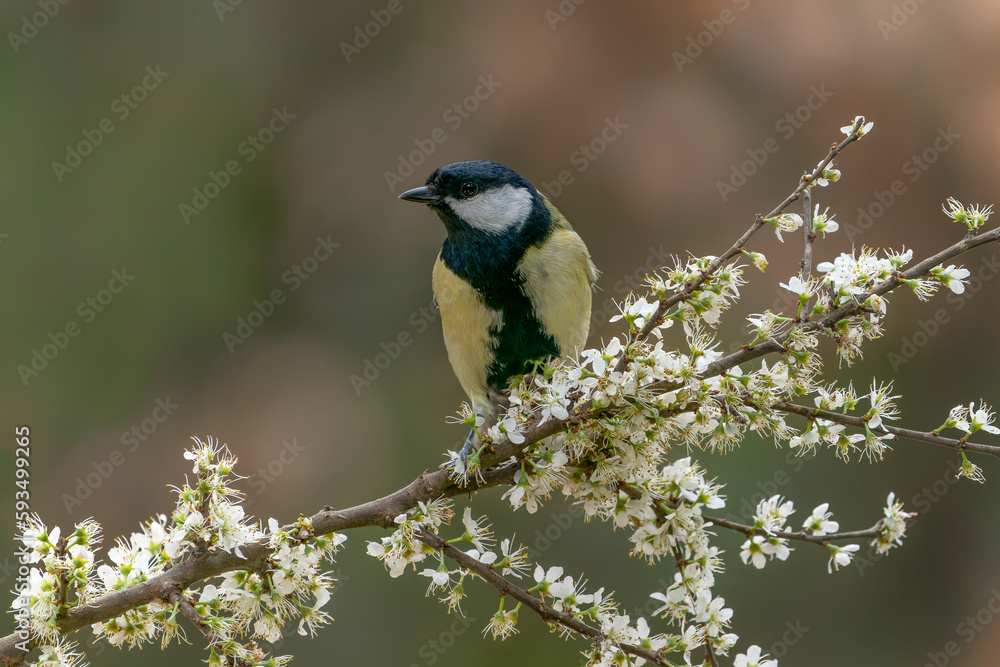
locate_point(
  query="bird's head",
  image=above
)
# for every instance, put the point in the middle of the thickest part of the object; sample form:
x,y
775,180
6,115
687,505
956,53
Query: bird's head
x,y
479,198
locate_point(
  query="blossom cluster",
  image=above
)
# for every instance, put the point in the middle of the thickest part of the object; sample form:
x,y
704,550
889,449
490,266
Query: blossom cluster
x,y
404,546
619,468
970,419
770,539
207,518
973,217
628,405
565,594
259,603
64,575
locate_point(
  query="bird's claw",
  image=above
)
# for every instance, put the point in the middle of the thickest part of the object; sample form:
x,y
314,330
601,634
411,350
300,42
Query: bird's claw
x,y
469,455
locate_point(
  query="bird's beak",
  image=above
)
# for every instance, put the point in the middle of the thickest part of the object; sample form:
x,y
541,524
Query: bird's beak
x,y
423,195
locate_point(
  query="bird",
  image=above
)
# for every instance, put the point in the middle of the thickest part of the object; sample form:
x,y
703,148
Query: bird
x,y
513,282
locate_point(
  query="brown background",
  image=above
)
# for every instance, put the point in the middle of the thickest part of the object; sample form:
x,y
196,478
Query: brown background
x,y
654,187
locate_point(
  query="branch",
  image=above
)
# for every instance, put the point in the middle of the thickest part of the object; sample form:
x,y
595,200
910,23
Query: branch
x,y
916,271
797,536
381,512
764,348
170,584
431,485
669,302
679,560
805,268
190,613
808,179
859,422
547,613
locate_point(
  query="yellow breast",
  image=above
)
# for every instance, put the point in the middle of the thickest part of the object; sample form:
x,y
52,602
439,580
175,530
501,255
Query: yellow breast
x,y
467,322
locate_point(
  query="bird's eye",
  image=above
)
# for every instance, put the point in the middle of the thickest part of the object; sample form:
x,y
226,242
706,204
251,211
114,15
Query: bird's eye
x,y
469,189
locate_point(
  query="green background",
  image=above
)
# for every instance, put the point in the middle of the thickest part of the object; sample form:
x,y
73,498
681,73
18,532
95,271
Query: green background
x,y
554,86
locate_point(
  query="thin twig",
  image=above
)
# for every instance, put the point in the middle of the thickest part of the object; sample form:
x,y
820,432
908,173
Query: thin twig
x,y
547,613
63,579
805,268
916,271
797,536
809,179
634,493
764,348
680,561
859,422
710,654
190,613
669,302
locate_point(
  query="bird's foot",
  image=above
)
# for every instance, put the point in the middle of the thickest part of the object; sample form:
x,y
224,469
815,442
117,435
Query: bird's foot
x,y
468,457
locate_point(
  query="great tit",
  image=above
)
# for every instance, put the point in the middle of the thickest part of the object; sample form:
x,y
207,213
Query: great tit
x,y
513,281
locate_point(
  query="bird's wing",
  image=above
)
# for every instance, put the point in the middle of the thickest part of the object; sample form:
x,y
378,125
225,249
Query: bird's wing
x,y
559,221
558,277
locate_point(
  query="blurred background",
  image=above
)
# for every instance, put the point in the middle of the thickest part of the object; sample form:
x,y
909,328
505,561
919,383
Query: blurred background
x,y
201,236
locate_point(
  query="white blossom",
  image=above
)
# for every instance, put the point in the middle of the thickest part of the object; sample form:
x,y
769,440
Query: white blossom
x,y
840,556
819,522
754,658
863,127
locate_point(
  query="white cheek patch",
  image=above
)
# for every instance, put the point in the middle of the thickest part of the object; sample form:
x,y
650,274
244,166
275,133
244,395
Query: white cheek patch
x,y
495,211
